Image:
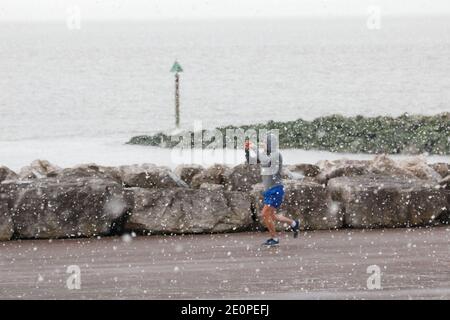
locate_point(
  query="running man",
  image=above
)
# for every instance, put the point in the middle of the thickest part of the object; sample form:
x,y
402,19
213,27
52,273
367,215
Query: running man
x,y
271,162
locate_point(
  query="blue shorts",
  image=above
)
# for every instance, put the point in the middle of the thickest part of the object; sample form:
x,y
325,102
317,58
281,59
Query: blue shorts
x,y
274,196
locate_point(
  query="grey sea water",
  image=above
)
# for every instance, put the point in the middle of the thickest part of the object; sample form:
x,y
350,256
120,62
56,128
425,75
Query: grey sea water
x,y
112,79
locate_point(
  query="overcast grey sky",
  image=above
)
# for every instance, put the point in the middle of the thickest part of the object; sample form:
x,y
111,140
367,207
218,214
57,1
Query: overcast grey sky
x,y
160,9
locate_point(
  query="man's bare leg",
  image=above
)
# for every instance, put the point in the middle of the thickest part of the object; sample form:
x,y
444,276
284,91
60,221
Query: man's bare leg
x,y
268,214
282,218
294,224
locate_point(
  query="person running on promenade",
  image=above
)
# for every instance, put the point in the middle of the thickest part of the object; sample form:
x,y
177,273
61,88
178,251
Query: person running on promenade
x,y
271,162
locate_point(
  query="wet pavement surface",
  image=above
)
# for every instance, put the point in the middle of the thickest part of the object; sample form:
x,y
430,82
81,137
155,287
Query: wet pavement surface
x,y
414,263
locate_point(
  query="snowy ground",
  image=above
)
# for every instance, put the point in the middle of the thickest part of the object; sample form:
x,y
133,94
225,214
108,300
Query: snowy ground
x,y
318,265
113,151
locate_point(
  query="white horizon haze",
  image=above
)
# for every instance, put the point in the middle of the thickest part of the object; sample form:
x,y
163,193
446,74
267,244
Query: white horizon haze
x,y
57,10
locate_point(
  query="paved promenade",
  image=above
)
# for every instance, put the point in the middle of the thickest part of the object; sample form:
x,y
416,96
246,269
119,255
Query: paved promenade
x,y
414,263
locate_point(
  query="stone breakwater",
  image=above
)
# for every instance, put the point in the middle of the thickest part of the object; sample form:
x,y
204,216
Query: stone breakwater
x,y
45,201
407,134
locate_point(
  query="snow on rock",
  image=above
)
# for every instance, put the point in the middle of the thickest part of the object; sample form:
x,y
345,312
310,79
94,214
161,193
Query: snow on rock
x,y
238,178
415,167
91,171
341,168
419,168
387,201
216,174
305,169
442,168
45,201
180,210
6,224
212,186
147,176
187,172
384,165
84,207
7,174
308,201
243,176
39,169
445,182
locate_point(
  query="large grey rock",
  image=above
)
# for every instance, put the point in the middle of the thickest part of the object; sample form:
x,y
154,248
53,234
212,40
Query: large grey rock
x,y
381,165
443,169
243,177
39,169
212,186
148,176
180,210
216,174
415,167
305,200
383,201
6,224
311,203
187,172
90,171
51,208
445,183
7,174
304,169
444,218
419,168
341,168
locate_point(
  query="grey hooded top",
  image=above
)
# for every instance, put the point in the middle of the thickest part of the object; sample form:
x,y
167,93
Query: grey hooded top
x,y
271,163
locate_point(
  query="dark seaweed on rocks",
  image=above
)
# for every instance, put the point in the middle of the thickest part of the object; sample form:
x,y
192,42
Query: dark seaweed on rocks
x,y
409,134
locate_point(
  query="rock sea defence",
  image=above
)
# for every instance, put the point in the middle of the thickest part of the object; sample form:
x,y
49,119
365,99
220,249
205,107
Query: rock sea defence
x,y
406,134
45,201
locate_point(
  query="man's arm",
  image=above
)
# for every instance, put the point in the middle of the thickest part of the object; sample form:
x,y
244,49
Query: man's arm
x,y
255,156
251,155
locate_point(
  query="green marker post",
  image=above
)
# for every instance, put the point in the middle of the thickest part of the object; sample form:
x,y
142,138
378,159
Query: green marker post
x,y
176,68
